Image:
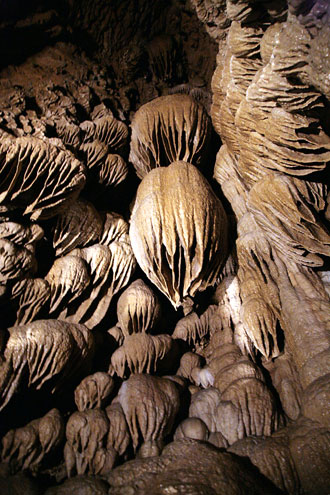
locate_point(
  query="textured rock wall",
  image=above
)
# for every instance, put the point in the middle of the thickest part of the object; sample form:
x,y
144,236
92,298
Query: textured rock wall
x,y
160,325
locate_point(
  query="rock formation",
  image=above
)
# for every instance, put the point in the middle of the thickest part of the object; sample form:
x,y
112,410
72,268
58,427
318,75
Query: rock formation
x,y
163,330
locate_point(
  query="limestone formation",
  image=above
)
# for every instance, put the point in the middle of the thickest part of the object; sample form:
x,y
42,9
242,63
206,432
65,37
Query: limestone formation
x,y
93,391
106,129
178,233
141,353
37,177
43,350
192,428
27,447
118,434
150,405
163,330
83,282
193,459
86,451
193,328
138,309
77,227
169,129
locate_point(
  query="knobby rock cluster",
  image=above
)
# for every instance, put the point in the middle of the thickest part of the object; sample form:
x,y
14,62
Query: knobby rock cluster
x,y
164,247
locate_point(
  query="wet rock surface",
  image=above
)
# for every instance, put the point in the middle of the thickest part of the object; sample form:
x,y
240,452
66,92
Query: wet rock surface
x,y
164,247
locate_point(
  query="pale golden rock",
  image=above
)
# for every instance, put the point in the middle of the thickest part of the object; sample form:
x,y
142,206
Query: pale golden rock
x,y
93,391
203,377
232,79
227,296
304,54
115,228
84,281
278,127
193,428
286,209
244,41
226,173
141,353
47,351
193,328
286,382
219,85
116,333
113,171
306,330
178,231
268,41
76,227
106,129
168,129
111,268
69,133
247,407
138,309
118,434
31,294
95,154
241,368
260,295
203,405
223,355
86,448
104,168
242,71
68,278
150,405
188,362
38,177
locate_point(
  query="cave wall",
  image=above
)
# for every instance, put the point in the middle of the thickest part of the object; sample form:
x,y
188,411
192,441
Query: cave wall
x,y
189,335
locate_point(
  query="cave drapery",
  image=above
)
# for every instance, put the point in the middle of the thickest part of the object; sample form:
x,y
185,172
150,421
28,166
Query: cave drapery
x,y
164,247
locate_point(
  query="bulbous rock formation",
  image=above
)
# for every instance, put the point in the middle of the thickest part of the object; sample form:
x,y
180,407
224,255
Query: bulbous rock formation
x,y
93,391
76,227
178,231
26,447
138,309
43,350
141,353
253,348
83,282
118,434
106,129
150,404
169,129
86,450
38,177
